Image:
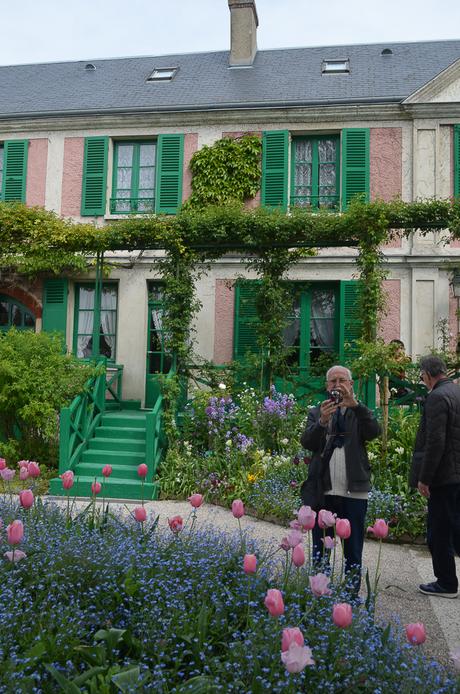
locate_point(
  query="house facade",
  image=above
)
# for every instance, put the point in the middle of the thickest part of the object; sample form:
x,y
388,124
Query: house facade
x,y
96,141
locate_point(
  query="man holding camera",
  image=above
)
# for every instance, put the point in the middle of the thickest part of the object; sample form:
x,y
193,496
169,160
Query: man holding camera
x,y
339,472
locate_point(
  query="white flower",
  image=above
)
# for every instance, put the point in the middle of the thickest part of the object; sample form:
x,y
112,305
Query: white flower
x,y
393,390
285,442
399,450
371,456
228,443
222,386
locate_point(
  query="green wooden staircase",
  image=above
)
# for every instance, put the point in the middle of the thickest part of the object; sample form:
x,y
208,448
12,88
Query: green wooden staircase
x,y
95,432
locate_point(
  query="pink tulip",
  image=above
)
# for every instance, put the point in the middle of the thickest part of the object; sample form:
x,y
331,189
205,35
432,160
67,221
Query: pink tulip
x,y
107,470
294,538
291,635
2,463
342,615
319,585
67,478
140,514
15,555
26,498
23,463
416,633
142,470
7,475
380,528
298,556
238,508
296,658
23,474
343,528
326,519
96,488
329,542
33,469
274,602
176,523
306,517
250,564
196,500
295,525
15,532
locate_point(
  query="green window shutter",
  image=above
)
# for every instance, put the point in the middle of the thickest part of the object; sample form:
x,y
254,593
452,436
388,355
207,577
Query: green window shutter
x,y
54,317
170,157
94,176
350,324
244,333
355,164
457,161
15,170
275,148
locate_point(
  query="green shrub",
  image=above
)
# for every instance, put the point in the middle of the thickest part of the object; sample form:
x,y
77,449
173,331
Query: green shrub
x,y
36,381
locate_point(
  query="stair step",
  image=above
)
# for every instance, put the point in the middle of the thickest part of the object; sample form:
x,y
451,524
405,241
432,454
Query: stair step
x,y
134,419
110,444
112,457
114,488
95,470
109,432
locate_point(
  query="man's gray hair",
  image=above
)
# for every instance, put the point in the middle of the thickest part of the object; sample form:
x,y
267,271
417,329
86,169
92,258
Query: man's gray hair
x,y
433,365
338,366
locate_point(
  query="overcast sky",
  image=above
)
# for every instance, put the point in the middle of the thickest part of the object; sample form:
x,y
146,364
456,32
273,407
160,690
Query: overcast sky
x,y
51,30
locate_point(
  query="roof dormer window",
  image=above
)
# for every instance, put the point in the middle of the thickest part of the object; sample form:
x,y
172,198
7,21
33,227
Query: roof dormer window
x,y
335,66
162,74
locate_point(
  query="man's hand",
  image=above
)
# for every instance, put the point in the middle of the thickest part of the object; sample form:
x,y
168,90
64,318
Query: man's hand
x,y
349,399
424,489
327,409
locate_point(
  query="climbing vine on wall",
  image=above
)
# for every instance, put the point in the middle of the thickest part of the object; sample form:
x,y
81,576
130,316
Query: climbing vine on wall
x,y
228,170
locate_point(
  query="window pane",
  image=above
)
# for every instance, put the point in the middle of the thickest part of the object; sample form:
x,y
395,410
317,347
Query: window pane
x,y
29,321
109,298
147,179
16,316
147,155
125,155
84,347
86,297
124,179
327,175
327,150
303,150
85,322
322,303
4,313
303,175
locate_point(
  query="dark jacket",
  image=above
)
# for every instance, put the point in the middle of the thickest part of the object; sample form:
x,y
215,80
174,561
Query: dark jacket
x,y
360,426
436,459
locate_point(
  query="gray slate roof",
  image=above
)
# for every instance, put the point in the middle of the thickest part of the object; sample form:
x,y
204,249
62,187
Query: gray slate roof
x,y
290,77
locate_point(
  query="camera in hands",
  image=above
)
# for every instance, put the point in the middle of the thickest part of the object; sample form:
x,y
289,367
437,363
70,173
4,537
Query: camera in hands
x,y
335,396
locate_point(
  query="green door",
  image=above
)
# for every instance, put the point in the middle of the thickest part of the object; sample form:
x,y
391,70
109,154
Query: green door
x,y
158,360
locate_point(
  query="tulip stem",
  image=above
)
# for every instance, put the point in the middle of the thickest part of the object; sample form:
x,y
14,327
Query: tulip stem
x,y
377,569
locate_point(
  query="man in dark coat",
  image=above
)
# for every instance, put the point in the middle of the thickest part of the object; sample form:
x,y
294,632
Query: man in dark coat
x,y
339,472
436,473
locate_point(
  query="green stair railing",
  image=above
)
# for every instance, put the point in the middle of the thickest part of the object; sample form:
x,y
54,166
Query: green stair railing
x,y
78,421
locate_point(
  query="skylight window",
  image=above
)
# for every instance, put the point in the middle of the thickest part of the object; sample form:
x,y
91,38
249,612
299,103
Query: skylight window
x,y
162,74
331,66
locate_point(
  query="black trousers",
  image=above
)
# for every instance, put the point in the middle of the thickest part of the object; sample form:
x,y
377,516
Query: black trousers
x,y
443,533
355,511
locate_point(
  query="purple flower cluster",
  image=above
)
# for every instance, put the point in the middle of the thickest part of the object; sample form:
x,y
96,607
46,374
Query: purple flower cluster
x,y
219,411
277,404
243,442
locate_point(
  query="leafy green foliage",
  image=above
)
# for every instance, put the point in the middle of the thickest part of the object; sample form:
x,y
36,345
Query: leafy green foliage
x,y
228,170
36,380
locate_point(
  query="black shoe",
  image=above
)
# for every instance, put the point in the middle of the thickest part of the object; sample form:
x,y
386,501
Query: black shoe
x,y
435,589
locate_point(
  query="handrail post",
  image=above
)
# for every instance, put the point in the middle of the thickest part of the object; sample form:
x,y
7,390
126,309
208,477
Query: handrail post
x,y
64,439
150,422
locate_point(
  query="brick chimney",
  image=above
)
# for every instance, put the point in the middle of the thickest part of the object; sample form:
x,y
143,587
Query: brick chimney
x,y
243,32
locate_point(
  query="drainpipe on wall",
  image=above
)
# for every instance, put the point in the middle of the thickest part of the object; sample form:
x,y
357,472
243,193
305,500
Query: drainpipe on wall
x,y
243,32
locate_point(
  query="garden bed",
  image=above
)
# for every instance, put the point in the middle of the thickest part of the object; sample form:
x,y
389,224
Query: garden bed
x,y
102,604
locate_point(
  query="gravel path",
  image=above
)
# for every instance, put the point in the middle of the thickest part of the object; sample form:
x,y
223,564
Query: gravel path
x,y
402,568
